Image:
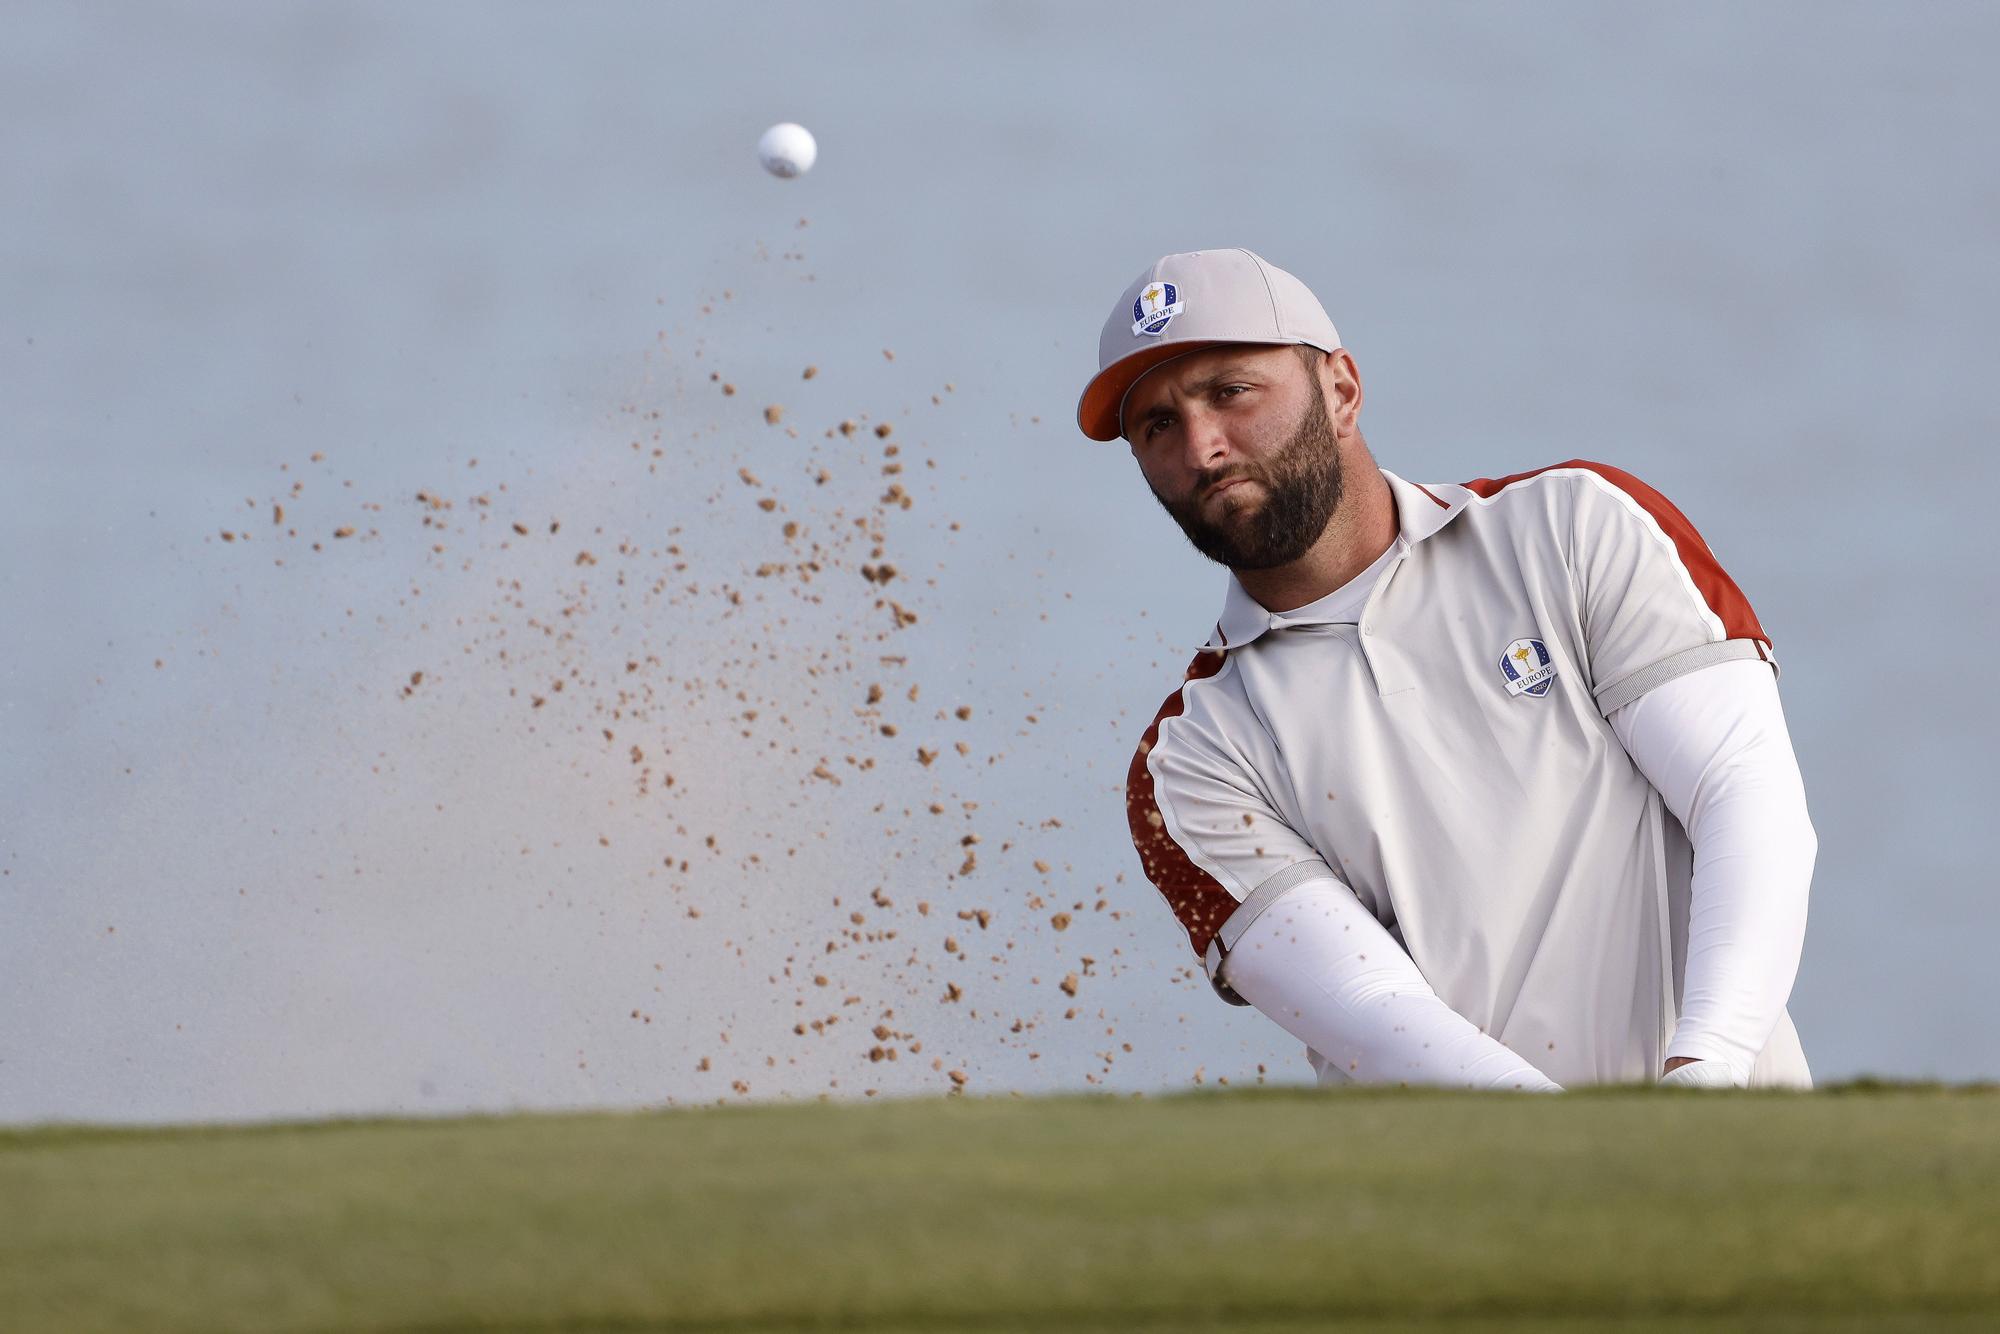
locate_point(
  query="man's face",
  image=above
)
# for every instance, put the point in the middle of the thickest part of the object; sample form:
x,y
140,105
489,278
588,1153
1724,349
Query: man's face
x,y
1237,446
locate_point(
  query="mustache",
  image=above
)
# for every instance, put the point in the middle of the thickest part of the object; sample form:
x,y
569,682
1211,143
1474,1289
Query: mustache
x,y
1205,482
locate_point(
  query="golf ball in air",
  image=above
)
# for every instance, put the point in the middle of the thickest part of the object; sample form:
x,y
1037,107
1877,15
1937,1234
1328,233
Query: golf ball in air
x,y
787,150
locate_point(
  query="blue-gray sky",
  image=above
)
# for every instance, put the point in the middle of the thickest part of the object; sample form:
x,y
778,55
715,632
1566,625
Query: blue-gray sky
x,y
247,869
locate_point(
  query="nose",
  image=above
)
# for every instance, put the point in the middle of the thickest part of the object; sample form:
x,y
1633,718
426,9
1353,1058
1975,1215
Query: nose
x,y
1207,444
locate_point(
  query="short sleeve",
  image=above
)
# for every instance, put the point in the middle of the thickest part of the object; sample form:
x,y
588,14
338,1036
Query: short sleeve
x,y
1206,834
1655,602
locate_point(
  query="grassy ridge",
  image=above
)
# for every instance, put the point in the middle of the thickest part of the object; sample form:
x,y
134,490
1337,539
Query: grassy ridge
x,y
1246,1209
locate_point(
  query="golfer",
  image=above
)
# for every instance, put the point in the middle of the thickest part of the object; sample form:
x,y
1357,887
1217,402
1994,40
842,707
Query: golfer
x,y
1482,785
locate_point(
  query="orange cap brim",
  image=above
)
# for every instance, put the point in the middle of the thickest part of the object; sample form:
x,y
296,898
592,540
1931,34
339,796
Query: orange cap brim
x,y
1097,410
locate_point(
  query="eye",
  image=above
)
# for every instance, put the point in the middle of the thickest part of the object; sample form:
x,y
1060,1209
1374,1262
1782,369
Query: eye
x,y
1153,426
1230,390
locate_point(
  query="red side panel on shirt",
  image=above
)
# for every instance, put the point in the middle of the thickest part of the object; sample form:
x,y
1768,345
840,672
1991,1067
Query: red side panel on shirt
x,y
1724,598
1197,898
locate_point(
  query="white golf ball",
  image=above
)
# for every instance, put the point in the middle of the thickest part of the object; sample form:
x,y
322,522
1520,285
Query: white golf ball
x,y
787,150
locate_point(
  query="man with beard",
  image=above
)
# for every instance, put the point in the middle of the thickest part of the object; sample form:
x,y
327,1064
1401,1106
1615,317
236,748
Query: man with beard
x,y
1483,785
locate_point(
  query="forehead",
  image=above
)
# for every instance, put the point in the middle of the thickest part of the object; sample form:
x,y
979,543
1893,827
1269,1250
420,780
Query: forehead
x,y
1183,374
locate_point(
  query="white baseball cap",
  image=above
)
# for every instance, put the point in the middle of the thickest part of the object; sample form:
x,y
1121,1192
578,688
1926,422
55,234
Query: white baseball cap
x,y
1184,303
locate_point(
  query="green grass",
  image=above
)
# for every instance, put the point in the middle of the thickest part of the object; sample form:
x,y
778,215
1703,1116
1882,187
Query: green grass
x,y
1873,1209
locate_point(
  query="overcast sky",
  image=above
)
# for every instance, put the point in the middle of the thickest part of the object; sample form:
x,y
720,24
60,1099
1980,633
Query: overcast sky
x,y
297,823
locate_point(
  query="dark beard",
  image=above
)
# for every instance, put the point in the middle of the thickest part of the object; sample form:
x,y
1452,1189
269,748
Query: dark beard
x,y
1302,486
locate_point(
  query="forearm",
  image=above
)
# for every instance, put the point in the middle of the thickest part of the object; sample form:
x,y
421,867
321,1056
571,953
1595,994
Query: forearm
x,y
1320,966
1714,744
1747,920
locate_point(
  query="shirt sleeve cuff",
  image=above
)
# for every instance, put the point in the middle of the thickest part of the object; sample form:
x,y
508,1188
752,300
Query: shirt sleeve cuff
x,y
1630,686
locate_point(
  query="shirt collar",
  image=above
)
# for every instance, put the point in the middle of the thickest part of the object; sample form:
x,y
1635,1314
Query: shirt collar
x,y
1421,510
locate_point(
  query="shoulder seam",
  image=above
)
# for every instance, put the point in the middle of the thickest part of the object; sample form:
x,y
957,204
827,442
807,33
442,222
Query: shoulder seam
x,y
1721,602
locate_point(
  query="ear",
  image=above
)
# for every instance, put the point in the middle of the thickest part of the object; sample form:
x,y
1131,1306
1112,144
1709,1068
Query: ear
x,y
1344,402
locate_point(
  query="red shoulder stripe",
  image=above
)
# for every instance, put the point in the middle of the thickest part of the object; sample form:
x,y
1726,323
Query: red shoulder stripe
x,y
1197,898
1724,598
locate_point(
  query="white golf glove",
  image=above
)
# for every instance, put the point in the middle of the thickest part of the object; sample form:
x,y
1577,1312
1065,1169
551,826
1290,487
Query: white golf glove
x,y
1700,1075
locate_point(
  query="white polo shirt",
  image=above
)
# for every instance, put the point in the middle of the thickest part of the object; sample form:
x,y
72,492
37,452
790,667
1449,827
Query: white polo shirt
x,y
1443,750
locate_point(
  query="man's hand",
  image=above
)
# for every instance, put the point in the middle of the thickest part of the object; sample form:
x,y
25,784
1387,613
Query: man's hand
x,y
1689,1072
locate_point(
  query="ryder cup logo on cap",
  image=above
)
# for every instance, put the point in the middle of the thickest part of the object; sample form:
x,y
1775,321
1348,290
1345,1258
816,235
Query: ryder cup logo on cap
x,y
1527,668
1155,308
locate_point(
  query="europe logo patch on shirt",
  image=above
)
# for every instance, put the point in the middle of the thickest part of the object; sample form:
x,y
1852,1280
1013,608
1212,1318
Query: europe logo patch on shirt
x,y
1527,668
1156,307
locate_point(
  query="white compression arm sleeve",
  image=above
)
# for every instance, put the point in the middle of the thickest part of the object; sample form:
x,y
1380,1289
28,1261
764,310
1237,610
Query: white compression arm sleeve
x,y
1714,744
1319,965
